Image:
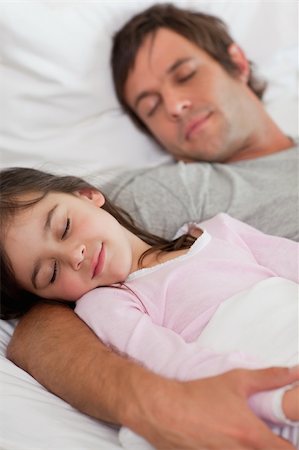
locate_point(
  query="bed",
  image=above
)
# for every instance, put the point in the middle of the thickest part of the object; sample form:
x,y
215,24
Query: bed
x,y
59,112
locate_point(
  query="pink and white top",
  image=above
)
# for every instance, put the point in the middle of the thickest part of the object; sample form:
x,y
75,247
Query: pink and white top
x,y
158,315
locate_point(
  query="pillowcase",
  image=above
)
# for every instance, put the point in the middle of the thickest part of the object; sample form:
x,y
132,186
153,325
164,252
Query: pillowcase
x,y
57,99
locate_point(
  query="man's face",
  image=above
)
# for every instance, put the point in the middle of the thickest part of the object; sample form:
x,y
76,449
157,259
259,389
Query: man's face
x,y
190,104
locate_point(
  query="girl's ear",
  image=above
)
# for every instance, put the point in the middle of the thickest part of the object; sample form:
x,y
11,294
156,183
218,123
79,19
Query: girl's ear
x,y
238,57
92,195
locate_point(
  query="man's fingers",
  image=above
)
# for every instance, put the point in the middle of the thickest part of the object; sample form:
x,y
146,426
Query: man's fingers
x,y
265,379
279,444
260,437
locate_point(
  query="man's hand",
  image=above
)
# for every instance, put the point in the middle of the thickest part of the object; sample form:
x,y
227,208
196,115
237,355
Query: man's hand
x,y
212,413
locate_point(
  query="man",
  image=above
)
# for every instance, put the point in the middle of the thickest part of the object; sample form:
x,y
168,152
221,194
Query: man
x,y
181,77
183,80
61,352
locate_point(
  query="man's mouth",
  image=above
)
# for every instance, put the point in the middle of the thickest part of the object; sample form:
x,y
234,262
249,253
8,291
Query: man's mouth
x,y
98,262
195,125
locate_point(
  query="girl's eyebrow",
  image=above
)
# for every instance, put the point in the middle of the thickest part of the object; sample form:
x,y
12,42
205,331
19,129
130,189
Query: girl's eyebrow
x,y
49,217
35,272
47,226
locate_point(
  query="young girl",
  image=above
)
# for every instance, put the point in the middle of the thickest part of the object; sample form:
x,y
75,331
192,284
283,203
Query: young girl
x,y
151,298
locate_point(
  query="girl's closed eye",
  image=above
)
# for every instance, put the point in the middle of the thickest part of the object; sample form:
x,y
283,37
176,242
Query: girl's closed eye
x,y
63,236
66,228
53,278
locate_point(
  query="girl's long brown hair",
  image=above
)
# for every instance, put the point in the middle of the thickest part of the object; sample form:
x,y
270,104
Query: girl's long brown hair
x,y
14,184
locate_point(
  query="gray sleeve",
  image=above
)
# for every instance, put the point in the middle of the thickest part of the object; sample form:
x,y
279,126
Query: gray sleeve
x,y
164,198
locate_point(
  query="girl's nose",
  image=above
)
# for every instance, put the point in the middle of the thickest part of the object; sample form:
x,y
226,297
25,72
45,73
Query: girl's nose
x,y
78,256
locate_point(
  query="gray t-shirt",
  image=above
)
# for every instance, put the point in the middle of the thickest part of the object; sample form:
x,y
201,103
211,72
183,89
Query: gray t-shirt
x,y
262,192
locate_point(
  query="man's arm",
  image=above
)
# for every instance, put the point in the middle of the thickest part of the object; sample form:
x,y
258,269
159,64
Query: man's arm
x,y
64,355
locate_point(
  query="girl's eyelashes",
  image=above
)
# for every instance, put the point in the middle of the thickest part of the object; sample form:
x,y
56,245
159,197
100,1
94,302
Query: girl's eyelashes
x,y
64,234
54,273
66,229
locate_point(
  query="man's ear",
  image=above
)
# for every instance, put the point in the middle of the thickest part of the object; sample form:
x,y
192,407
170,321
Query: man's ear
x,y
238,57
92,195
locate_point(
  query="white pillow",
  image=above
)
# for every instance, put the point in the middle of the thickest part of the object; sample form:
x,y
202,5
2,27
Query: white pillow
x,y
57,98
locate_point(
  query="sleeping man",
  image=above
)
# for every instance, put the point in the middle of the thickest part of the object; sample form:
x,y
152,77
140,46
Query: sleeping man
x,y
197,109
185,82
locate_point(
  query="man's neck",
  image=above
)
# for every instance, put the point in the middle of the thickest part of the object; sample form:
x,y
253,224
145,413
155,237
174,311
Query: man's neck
x,y
264,135
269,140
258,152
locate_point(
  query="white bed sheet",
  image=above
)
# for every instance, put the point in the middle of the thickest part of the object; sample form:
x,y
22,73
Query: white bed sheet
x,y
58,111
31,418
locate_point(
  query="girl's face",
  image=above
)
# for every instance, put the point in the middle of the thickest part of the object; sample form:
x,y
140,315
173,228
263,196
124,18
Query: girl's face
x,y
65,245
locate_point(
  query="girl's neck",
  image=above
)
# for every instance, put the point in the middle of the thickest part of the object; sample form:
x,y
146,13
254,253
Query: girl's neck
x,y
159,257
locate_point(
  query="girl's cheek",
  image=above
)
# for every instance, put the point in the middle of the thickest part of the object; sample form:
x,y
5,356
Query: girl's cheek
x,y
74,289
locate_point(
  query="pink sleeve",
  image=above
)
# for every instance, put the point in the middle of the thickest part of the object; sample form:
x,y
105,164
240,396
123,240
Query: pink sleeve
x,y
278,254
120,323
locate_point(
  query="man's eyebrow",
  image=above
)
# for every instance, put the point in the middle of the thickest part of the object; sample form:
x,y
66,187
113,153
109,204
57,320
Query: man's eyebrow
x,y
47,226
177,63
170,69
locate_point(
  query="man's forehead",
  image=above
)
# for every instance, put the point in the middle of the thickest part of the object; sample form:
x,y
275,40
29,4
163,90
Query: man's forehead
x,y
161,52
157,41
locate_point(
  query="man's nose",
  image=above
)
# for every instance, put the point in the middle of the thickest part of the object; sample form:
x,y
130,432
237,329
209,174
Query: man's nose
x,y
177,107
77,256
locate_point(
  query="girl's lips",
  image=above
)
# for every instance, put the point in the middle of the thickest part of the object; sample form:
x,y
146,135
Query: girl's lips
x,y
99,262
